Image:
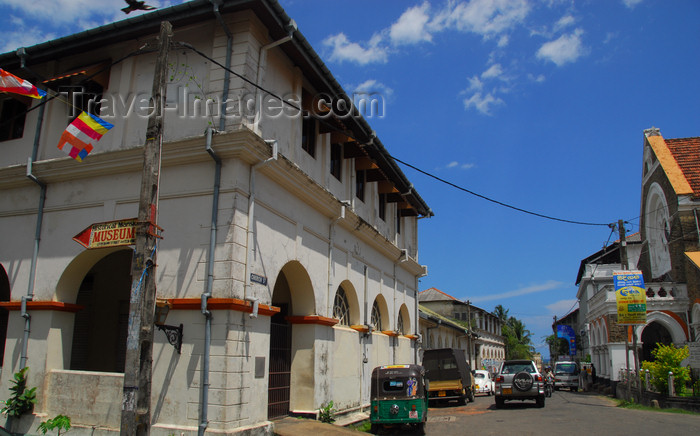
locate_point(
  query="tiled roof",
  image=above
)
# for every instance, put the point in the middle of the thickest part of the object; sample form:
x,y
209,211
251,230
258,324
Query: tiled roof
x,y
434,294
686,151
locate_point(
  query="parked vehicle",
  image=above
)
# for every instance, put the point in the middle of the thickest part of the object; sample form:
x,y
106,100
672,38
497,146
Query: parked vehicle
x,y
398,396
449,374
484,384
519,380
566,375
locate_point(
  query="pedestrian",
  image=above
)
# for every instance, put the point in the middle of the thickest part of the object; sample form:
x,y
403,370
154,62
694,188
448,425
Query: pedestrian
x,y
593,373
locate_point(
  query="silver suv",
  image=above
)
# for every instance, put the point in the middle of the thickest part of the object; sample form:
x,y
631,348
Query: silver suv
x,y
519,380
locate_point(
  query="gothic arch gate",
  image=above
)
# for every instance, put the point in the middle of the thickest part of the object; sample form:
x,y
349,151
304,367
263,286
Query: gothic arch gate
x,y
291,362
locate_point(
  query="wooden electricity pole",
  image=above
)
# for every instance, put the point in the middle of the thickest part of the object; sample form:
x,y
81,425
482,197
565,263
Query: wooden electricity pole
x,y
136,400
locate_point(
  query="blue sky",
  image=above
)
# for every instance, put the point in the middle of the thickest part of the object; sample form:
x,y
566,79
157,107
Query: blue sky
x,y
536,104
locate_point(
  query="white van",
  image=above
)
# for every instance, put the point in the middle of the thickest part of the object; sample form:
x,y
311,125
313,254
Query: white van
x,y
566,375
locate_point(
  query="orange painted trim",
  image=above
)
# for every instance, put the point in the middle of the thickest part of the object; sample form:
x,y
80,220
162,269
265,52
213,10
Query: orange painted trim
x,y
680,321
312,319
222,304
607,328
360,328
411,337
390,333
43,305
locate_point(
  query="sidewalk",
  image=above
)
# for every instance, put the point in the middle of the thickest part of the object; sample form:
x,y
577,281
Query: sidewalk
x,y
305,427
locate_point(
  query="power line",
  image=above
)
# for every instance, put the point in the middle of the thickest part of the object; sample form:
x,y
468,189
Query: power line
x,y
500,203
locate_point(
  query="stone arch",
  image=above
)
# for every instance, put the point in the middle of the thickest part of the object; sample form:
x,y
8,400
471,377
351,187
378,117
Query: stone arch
x,y
4,314
406,320
383,312
695,318
351,296
292,344
675,329
72,277
100,282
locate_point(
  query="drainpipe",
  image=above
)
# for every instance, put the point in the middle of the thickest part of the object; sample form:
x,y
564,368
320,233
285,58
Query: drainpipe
x,y
417,323
206,295
403,257
250,237
39,222
227,73
331,233
262,60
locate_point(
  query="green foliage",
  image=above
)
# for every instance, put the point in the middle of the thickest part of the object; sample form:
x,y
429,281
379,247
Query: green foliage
x,y
325,413
557,346
60,422
518,340
668,358
21,399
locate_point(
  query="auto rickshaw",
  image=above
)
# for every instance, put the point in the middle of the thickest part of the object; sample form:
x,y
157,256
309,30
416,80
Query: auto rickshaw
x,y
399,396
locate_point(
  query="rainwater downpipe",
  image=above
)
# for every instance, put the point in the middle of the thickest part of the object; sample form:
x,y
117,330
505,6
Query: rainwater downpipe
x,y
39,223
331,238
227,73
250,237
403,257
204,406
262,60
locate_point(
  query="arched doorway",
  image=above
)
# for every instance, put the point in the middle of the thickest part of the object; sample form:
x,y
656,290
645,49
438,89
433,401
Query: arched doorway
x,y
100,328
291,365
653,334
4,315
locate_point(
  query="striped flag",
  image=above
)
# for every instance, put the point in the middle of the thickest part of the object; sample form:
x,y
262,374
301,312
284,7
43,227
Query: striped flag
x,y
76,141
11,83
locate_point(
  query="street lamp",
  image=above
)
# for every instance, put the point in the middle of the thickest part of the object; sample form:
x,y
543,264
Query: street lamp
x,y
174,334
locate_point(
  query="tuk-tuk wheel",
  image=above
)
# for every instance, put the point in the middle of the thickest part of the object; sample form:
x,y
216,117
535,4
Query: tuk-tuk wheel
x,y
374,429
420,428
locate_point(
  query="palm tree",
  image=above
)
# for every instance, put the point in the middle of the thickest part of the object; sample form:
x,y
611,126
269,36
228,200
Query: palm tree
x,y
518,340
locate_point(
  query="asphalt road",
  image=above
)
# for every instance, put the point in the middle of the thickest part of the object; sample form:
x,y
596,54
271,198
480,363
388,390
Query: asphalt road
x,y
565,413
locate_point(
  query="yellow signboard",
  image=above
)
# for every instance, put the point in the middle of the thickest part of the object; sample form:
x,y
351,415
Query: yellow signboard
x,y
631,297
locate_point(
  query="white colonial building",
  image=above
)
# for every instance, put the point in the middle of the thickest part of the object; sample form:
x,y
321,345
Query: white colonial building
x,y
289,251
444,324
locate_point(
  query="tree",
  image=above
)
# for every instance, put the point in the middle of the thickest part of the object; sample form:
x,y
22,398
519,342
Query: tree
x,y
518,340
668,358
557,346
502,313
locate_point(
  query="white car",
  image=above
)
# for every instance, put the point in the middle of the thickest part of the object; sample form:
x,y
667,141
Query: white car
x,y
484,383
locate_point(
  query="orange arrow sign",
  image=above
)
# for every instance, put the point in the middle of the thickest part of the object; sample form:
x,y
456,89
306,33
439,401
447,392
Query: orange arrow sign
x,y
108,234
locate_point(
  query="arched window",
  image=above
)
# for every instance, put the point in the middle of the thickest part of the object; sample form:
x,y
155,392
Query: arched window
x,y
341,308
376,316
399,324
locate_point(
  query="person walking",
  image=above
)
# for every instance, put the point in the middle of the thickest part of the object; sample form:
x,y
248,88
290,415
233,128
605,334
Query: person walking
x,y
593,377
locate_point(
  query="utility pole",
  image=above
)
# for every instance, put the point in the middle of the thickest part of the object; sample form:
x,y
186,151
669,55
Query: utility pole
x,y
630,329
469,333
136,400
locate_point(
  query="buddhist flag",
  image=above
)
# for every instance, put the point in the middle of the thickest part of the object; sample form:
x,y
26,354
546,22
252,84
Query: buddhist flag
x,y
76,141
11,83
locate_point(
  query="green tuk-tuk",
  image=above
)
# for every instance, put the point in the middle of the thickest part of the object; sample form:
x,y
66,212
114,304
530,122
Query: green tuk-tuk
x,y
399,395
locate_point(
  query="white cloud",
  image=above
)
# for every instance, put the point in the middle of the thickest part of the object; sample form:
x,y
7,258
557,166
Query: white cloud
x,y
547,286
411,26
464,166
31,18
372,87
562,307
494,71
482,103
344,50
475,84
483,17
565,21
565,49
503,41
631,3
537,79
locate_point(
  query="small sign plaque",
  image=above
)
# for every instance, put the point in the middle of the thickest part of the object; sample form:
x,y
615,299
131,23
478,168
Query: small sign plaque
x,y
258,279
